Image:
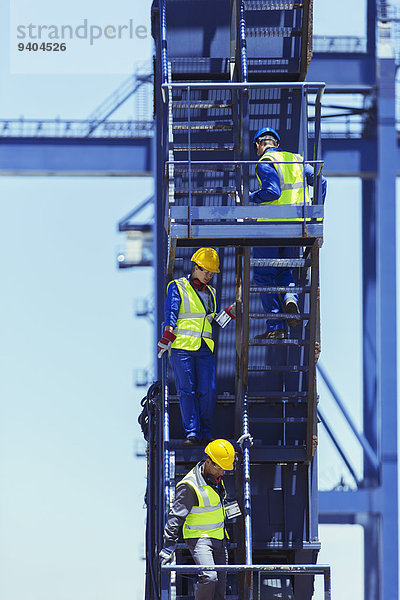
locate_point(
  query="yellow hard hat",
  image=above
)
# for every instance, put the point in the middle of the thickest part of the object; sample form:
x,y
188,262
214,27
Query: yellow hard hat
x,y
222,453
206,258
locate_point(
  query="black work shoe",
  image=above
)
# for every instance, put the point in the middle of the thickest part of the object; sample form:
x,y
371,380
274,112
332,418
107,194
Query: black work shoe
x,y
276,334
192,440
292,308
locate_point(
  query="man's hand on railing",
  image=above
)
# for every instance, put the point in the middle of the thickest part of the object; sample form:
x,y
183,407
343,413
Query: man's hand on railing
x,y
165,556
165,342
236,196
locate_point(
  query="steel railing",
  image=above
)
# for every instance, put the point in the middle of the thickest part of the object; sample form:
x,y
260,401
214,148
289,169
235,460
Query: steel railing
x,y
77,128
270,570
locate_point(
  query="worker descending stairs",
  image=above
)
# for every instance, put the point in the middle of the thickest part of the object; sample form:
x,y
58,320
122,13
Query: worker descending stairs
x,y
190,309
199,508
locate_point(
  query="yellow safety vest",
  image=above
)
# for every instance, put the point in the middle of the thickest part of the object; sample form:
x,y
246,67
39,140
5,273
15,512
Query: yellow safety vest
x,y
193,325
293,186
207,519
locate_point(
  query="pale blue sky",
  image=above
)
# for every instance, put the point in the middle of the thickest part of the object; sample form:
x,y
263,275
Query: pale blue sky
x,y
71,507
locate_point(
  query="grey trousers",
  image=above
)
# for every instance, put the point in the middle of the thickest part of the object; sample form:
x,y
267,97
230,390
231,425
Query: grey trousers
x,y
206,551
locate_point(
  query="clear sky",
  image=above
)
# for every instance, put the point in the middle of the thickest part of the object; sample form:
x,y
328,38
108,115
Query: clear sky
x,y
71,505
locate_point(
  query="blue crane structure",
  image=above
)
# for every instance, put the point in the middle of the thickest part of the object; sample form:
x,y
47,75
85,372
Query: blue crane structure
x,y
360,139
223,70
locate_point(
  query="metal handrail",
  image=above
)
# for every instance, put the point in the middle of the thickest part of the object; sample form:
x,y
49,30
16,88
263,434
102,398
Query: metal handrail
x,y
316,85
164,52
242,42
73,128
239,162
246,476
189,163
305,87
280,570
317,163
166,461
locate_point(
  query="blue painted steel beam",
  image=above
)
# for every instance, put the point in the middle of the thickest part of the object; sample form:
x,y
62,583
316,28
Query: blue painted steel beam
x,y
332,505
350,157
242,230
386,314
339,68
66,156
133,157
369,295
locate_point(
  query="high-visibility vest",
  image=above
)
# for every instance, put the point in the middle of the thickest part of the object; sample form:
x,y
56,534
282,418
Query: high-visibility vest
x,y
207,519
193,322
293,186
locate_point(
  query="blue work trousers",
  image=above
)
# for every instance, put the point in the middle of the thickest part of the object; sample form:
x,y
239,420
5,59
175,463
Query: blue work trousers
x,y
274,276
195,382
206,551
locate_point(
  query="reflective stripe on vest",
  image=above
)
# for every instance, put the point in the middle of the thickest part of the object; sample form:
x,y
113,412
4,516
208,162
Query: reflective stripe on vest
x,y
293,187
192,324
207,519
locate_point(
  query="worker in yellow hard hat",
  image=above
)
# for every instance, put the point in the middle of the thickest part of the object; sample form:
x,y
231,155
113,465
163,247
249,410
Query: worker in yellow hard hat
x,y
199,508
190,309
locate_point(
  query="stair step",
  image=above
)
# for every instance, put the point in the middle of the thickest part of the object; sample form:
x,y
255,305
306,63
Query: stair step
x,y
228,596
278,402
271,5
281,290
270,398
203,148
272,32
277,342
279,316
285,368
220,398
278,395
267,398
204,126
280,262
205,191
199,104
278,419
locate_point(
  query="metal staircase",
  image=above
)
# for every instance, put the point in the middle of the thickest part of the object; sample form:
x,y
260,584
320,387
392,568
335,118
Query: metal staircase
x,y
224,70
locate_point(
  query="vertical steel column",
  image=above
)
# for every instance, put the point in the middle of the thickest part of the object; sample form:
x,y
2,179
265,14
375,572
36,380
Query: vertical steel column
x,y
372,551
386,305
189,162
311,387
369,296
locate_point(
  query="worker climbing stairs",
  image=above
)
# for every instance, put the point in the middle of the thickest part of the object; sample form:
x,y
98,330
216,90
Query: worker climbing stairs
x,y
224,70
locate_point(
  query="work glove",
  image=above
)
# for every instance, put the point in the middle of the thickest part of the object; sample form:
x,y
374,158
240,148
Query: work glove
x,y
165,556
226,315
165,342
231,310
